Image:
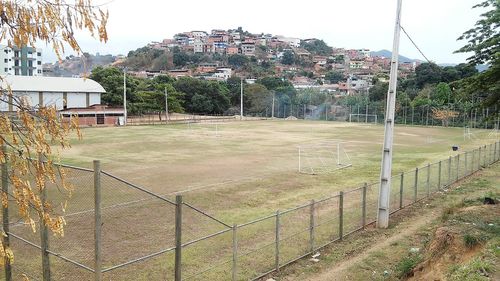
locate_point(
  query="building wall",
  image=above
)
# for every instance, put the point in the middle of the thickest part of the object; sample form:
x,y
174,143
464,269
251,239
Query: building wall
x,y
24,61
73,100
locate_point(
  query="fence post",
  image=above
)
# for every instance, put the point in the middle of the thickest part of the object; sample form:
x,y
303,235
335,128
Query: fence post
x,y
484,157
235,254
311,226
44,231
277,243
401,186
479,159
428,180
5,213
472,162
178,238
458,166
97,221
415,187
341,215
363,210
439,176
495,154
465,163
449,171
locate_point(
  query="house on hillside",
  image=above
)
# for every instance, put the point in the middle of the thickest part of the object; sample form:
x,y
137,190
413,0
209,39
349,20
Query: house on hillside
x,y
70,96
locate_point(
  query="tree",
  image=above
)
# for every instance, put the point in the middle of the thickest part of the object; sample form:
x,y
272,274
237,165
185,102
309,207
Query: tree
x,y
38,128
288,58
427,73
334,77
318,47
237,60
483,41
181,59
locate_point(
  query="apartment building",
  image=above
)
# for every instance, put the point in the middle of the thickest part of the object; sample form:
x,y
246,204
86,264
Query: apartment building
x,y
24,61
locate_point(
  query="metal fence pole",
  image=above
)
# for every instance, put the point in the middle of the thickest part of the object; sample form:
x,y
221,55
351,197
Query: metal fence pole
x,y
458,166
415,187
363,207
311,226
479,159
178,238
341,215
428,180
472,162
495,154
449,171
484,157
5,214
235,254
439,175
44,230
277,243
97,221
401,186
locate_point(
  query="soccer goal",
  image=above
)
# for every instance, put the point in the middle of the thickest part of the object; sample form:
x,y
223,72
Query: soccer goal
x,y
468,135
363,118
322,158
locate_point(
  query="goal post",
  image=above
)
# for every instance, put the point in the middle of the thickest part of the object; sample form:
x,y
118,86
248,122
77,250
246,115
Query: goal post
x,y
363,118
322,158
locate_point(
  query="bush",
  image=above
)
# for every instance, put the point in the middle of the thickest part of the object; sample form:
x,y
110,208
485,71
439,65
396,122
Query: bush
x,y
407,264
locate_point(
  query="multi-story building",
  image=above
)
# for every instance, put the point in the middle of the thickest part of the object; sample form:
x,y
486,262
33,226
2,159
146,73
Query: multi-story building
x,y
248,49
25,61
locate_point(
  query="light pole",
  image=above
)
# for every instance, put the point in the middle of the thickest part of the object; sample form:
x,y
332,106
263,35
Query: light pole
x,y
241,99
166,104
125,96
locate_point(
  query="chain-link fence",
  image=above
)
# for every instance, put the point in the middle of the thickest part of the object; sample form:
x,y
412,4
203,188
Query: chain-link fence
x,y
117,230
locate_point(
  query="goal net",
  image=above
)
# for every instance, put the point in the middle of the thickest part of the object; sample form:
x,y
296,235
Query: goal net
x,y
363,118
322,158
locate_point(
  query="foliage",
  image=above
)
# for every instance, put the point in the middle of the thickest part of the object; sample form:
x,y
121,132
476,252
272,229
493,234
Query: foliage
x,y
237,60
318,47
334,77
484,41
407,264
37,131
288,57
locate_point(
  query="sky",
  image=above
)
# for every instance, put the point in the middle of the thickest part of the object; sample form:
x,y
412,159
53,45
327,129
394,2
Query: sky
x,y
434,25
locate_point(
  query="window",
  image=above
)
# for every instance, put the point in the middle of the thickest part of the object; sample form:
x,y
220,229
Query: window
x,y
16,54
16,72
39,54
39,62
6,69
30,72
5,60
39,71
100,119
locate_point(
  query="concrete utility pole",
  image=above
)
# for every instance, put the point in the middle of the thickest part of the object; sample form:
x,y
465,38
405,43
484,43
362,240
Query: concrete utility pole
x,y
125,96
385,173
241,100
166,104
272,113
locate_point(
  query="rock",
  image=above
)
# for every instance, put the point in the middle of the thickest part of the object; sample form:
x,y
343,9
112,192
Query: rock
x,y
414,250
386,272
270,279
314,260
316,255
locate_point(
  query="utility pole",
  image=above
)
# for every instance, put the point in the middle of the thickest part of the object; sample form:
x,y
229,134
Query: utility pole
x,y
241,99
166,104
385,173
125,96
272,113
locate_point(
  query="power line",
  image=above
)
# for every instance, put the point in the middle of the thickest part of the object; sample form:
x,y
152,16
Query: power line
x,y
415,44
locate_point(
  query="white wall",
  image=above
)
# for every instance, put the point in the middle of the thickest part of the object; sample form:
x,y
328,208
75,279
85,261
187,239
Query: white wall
x,y
77,100
94,99
53,99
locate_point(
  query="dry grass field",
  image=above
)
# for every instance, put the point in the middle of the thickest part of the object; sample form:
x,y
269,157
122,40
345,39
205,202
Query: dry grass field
x,y
241,170
235,171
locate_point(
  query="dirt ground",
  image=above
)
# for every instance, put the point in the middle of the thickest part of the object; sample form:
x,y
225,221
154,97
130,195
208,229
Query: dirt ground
x,y
375,254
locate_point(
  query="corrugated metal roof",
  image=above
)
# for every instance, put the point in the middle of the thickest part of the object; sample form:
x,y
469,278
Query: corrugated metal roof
x,y
51,84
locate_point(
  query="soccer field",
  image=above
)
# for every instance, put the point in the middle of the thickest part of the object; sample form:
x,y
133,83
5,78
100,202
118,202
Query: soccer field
x,y
237,170
232,173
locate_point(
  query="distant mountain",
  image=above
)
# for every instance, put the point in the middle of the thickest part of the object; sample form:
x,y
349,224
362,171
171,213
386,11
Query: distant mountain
x,y
388,54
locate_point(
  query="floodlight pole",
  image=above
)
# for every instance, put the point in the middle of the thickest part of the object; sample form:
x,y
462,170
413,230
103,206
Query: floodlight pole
x,y
166,104
241,100
125,96
385,173
272,111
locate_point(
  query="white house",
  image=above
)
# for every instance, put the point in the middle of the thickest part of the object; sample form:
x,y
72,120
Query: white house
x,y
62,92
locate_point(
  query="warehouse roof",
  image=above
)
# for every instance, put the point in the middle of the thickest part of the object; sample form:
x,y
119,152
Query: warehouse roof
x,y
51,84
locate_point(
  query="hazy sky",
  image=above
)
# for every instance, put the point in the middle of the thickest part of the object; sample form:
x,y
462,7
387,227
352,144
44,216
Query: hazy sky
x,y
434,24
